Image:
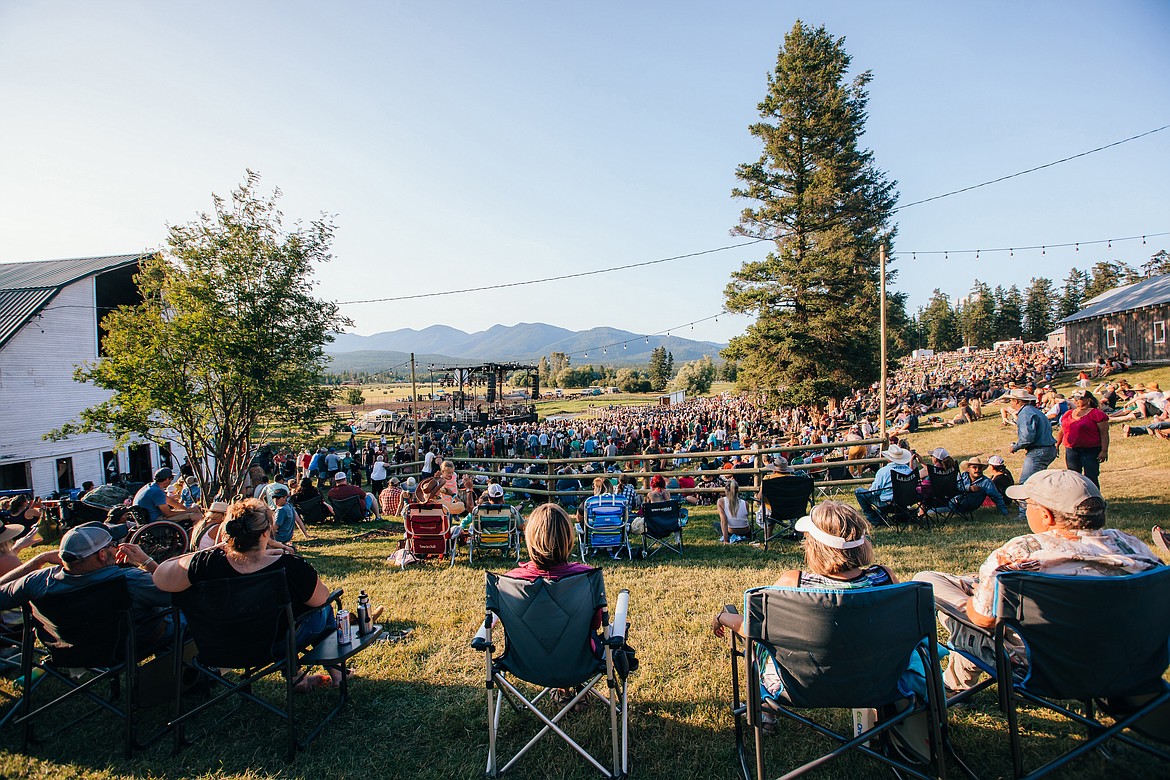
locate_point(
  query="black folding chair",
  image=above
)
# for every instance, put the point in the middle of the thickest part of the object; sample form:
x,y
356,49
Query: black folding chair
x,y
841,649
944,486
88,628
1101,641
548,642
348,510
312,509
664,521
246,623
786,500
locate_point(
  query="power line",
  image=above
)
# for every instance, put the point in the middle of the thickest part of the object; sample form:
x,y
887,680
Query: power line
x,y
1032,170
553,278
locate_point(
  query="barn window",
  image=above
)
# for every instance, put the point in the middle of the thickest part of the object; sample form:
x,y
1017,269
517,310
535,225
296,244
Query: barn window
x,y
1111,338
1160,332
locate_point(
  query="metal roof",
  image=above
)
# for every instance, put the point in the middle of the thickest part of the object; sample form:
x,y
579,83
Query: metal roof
x,y
25,288
1149,292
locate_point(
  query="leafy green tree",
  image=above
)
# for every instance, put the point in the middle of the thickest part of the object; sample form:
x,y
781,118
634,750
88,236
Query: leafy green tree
x,y
938,323
730,371
660,368
825,205
1039,305
695,377
352,396
228,338
628,381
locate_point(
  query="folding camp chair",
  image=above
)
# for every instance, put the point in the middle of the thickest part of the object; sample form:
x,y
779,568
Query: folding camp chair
x,y
549,643
428,532
664,521
944,486
786,500
88,628
247,623
348,510
494,527
606,526
1116,656
312,509
819,649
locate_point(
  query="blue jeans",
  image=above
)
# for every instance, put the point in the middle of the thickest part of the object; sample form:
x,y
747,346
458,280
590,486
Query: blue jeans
x,y
870,503
1083,460
1036,459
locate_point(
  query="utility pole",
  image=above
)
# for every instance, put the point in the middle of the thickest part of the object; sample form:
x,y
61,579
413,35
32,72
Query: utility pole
x,y
414,399
882,306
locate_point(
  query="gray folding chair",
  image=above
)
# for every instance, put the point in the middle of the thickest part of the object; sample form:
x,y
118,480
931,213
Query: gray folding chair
x,y
841,649
549,643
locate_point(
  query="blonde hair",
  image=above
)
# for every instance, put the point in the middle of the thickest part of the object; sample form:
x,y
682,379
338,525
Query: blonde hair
x,y
247,521
601,483
549,536
842,521
731,492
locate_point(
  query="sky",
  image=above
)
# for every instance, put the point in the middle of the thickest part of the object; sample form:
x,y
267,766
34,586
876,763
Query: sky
x,y
465,144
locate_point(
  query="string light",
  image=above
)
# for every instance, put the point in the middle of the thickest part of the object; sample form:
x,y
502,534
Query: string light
x,y
1011,252
1043,251
1078,247
1110,244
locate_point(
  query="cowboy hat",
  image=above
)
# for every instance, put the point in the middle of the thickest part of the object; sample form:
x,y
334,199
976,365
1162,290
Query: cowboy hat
x,y
1019,394
896,454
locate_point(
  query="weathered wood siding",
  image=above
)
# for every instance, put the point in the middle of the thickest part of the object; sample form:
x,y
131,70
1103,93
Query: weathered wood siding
x,y
1135,335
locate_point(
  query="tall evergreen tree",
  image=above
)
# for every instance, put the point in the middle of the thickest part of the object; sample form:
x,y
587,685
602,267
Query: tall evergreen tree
x,y
1073,293
1039,305
1157,265
938,323
1009,313
1108,274
659,371
823,202
978,318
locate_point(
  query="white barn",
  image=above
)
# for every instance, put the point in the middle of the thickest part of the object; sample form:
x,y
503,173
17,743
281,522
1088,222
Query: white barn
x,y
50,315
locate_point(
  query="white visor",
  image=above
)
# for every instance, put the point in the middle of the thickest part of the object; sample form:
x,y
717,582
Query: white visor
x,y
807,525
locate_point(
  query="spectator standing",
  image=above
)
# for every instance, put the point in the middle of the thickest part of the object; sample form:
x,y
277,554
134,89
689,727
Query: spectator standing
x,y
1033,436
1084,432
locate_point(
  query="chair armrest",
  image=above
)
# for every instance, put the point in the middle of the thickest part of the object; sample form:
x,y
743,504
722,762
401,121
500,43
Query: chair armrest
x,y
483,638
961,616
617,626
335,597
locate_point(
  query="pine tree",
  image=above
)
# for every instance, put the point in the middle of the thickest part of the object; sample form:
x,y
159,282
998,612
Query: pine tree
x,y
1039,305
1157,265
938,323
659,373
823,202
1009,313
978,318
1072,294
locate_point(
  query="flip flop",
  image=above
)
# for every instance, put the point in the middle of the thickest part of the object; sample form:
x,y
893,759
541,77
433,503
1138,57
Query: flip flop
x,y
396,636
1161,540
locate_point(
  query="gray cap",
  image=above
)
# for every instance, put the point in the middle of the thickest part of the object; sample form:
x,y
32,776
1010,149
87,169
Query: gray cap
x,y
84,540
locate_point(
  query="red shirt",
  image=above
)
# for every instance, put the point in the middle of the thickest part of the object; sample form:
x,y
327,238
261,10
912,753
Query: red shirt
x,y
1083,432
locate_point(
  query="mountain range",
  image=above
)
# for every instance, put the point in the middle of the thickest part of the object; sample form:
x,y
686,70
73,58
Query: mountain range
x,y
525,342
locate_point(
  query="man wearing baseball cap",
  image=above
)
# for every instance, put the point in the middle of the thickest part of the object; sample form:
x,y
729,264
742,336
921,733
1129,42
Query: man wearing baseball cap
x,y
153,498
1066,515
90,553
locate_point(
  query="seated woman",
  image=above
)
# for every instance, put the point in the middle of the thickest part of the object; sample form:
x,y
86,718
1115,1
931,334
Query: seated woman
x,y
208,531
249,550
306,490
837,554
734,522
658,491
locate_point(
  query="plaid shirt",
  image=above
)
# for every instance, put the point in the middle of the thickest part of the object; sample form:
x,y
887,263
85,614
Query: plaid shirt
x,y
630,494
391,500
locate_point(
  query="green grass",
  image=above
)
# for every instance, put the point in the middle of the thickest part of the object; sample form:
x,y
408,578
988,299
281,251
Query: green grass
x,y
418,705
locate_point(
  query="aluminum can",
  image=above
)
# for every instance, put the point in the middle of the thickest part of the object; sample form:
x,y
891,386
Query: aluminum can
x,y
343,635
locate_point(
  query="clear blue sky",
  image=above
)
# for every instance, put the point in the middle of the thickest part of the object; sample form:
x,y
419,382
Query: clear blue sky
x,y
473,143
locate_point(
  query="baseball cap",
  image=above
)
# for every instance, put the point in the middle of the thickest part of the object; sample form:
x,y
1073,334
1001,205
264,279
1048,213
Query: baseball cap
x,y
496,490
277,490
340,477
1056,489
995,460
84,540
940,453
163,473
411,484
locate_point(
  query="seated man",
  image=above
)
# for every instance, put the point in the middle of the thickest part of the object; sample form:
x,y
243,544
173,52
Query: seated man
x,y
391,499
343,490
153,498
91,553
975,488
880,493
1066,514
1157,426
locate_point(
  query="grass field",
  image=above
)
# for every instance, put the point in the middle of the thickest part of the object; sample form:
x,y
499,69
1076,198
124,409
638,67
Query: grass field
x,y
418,705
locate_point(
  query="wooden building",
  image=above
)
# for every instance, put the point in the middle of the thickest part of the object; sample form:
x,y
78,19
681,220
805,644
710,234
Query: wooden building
x,y
50,322
1130,319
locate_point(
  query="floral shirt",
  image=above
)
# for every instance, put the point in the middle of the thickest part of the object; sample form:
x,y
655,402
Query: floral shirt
x,y
1101,553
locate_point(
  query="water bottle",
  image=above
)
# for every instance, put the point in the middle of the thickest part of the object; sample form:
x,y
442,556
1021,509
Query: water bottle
x,y
365,620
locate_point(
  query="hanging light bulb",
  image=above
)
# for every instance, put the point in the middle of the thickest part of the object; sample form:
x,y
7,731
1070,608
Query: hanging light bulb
x,y
1078,247
1043,251
586,354
976,254
914,257
623,345
647,339
1110,244
946,256
1143,240
1011,252
604,351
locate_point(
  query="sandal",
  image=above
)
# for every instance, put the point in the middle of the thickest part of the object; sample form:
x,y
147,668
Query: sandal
x,y
307,683
1161,540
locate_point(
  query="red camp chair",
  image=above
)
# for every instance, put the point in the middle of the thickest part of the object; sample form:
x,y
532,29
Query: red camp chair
x,y
428,532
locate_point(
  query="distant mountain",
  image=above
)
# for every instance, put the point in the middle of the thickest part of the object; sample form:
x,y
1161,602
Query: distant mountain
x,y
525,343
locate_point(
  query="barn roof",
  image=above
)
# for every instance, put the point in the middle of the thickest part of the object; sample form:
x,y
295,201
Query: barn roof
x,y
25,288
1149,292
